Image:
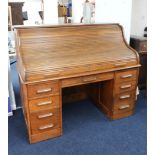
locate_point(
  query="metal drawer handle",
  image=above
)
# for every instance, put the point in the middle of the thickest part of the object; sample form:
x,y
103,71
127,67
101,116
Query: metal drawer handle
x,y
124,107
46,127
121,64
44,90
44,103
89,79
125,86
126,76
124,96
45,115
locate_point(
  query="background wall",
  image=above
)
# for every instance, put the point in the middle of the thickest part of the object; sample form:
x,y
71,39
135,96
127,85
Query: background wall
x,y
50,11
77,10
115,11
108,11
32,7
139,17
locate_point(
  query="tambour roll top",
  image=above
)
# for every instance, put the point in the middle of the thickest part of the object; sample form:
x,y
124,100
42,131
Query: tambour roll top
x,y
61,51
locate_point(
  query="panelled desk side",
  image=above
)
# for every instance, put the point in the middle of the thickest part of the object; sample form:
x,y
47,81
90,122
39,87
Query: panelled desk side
x,y
52,58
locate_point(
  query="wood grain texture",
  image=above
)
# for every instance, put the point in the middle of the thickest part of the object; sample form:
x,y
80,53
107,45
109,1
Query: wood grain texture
x,y
45,120
61,51
45,135
125,86
44,103
86,79
126,75
43,89
25,108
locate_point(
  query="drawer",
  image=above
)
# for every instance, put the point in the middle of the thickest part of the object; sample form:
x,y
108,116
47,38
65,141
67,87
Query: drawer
x,y
123,109
127,75
143,46
45,135
125,86
87,79
44,103
124,106
42,89
45,120
118,114
125,97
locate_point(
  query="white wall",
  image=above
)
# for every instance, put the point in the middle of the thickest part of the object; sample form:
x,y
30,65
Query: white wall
x,y
77,10
139,17
115,11
108,11
16,0
50,11
32,7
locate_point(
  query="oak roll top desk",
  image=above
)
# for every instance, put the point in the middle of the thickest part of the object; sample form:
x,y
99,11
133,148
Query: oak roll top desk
x,y
54,57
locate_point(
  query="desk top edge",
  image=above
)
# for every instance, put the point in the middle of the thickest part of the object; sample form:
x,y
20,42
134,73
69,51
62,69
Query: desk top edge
x,y
61,25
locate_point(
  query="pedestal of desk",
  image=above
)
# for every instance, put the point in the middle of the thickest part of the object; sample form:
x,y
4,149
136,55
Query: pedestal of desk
x,y
116,98
42,109
114,93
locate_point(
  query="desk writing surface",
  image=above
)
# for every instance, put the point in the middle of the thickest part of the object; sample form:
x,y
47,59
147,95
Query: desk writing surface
x,y
63,50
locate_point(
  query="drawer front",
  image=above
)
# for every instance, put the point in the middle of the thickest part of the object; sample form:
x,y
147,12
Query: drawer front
x,y
143,46
87,79
125,86
45,121
44,103
42,89
125,97
46,135
124,106
123,111
127,75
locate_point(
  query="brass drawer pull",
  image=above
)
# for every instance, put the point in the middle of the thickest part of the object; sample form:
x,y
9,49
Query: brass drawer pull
x,y
126,76
44,103
121,64
124,107
89,79
46,127
126,86
44,90
124,96
45,115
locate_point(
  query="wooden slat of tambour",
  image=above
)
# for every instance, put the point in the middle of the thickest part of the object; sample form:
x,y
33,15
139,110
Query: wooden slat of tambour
x,y
85,59
71,69
97,66
72,64
111,28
